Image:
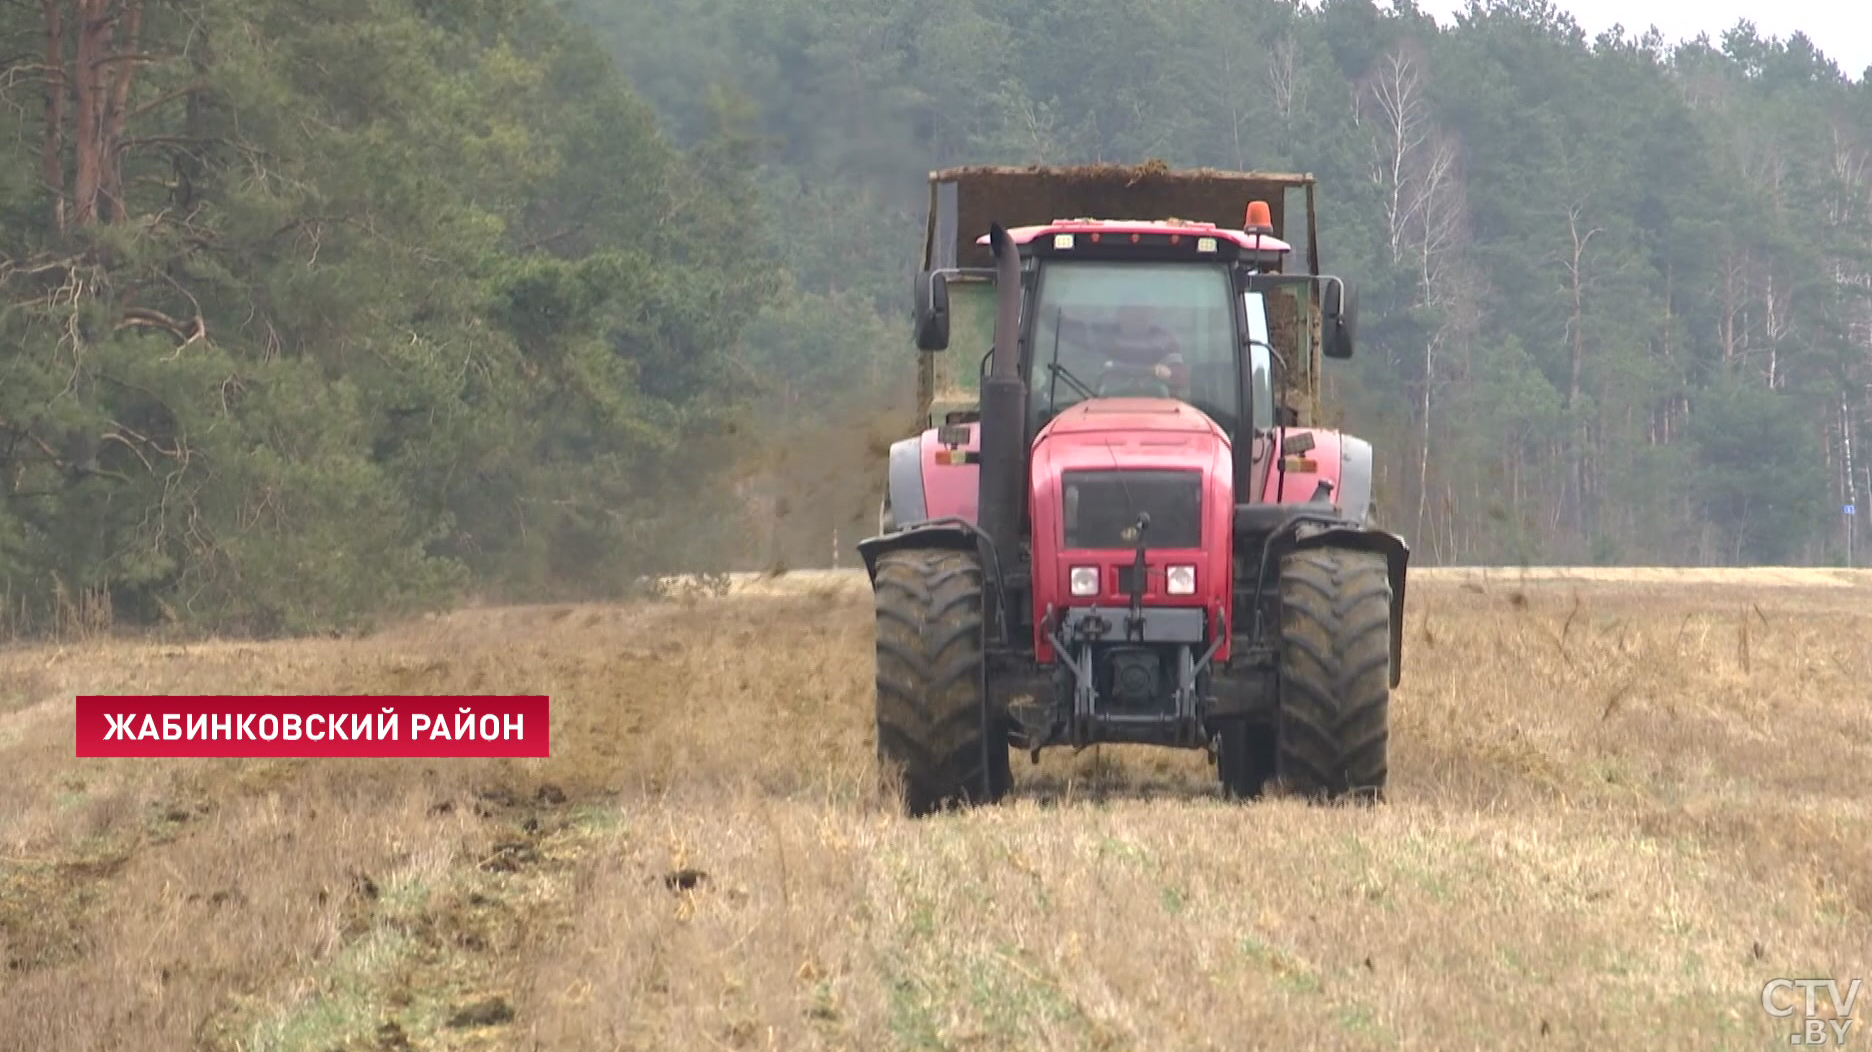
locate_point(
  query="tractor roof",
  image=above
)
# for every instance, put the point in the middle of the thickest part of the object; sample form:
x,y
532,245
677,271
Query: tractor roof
x,y
1099,227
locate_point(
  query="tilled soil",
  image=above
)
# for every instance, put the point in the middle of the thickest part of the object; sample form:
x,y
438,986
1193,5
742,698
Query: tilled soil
x,y
1618,809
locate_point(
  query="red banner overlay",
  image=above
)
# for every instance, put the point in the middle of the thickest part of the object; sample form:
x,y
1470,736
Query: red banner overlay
x,y
369,725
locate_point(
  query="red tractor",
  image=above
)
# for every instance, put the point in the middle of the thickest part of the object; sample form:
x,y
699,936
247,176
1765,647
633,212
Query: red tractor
x,y
1136,534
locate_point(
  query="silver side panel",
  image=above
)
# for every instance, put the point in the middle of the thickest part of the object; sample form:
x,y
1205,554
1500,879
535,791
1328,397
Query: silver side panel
x,y
1355,478
906,483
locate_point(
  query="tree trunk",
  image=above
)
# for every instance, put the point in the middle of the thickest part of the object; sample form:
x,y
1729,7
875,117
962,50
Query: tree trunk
x,y
117,113
1577,283
85,141
99,78
1846,455
57,86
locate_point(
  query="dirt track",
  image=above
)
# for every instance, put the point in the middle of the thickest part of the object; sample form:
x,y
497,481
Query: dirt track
x,y
1621,805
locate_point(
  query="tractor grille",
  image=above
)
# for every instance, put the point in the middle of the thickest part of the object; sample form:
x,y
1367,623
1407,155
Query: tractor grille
x,y
1101,506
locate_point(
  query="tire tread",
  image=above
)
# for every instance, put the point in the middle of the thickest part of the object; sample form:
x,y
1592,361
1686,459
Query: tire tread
x,y
1335,665
931,723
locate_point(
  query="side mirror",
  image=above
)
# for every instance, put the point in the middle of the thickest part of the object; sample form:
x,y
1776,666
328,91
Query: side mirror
x,y
932,311
1339,317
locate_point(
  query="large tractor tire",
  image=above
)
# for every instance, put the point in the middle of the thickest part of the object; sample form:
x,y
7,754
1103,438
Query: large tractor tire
x,y
1335,674
933,723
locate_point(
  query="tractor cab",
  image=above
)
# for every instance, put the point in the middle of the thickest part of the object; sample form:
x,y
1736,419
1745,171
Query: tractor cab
x,y
1149,309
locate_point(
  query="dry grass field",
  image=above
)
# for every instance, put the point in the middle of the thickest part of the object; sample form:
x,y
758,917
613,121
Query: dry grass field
x,y
1621,802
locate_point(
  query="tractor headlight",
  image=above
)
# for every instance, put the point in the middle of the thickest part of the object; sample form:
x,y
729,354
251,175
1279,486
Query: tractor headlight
x,y
1180,580
1085,580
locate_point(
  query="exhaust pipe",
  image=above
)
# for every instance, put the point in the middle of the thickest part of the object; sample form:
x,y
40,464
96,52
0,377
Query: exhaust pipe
x,y
1006,362
1003,473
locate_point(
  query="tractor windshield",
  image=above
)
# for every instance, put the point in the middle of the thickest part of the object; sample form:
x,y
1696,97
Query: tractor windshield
x,y
1151,329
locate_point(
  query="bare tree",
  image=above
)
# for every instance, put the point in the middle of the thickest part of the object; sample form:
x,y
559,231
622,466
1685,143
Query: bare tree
x,y
1848,218
1579,239
1437,204
1849,482
1777,321
1393,98
1419,168
1285,78
1733,294
1437,201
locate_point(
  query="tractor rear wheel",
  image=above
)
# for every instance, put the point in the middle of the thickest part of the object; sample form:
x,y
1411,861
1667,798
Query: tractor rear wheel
x,y
933,723
1335,673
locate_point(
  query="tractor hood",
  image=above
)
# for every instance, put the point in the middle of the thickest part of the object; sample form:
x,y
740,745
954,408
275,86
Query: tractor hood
x,y
1099,464
1148,435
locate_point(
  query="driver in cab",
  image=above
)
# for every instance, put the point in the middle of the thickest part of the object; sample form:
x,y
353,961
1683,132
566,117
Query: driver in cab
x,y
1142,346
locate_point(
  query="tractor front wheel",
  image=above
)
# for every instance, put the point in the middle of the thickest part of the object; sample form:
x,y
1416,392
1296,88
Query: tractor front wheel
x,y
1335,673
933,723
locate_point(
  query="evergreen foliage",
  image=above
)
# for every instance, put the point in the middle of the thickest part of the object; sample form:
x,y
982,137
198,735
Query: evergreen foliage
x,y
320,310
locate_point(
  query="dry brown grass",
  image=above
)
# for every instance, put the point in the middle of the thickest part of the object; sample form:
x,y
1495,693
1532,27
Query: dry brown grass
x,y
1619,808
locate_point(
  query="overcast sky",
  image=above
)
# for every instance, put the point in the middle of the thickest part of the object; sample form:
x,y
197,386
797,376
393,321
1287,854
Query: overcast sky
x,y
1841,29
